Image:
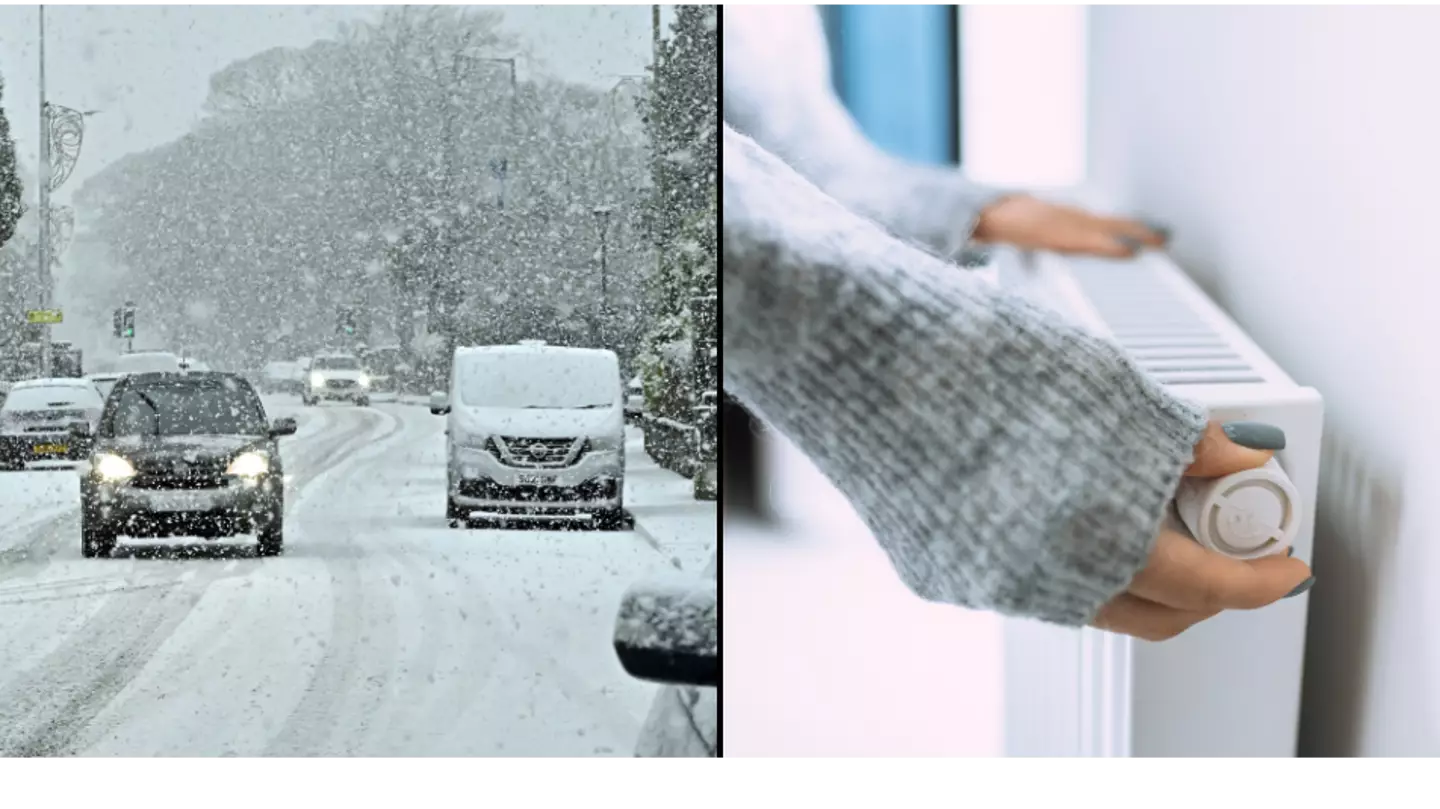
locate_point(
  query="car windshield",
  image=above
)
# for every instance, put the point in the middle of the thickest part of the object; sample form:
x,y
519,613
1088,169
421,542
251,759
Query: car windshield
x,y
336,364
538,381
52,398
187,407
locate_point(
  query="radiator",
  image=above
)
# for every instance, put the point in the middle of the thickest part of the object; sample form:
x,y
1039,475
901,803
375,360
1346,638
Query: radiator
x,y
1229,686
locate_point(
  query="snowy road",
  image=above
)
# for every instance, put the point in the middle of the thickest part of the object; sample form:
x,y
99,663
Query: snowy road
x,y
379,632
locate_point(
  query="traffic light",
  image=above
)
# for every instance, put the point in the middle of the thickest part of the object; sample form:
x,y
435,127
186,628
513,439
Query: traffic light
x,y
125,322
346,322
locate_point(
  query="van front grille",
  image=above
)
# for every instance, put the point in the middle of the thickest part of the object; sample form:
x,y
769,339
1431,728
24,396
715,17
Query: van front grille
x,y
539,453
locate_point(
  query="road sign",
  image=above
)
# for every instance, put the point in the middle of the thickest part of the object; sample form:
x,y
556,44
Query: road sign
x,y
44,316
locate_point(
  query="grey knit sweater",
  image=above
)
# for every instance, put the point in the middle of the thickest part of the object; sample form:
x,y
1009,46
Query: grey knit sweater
x,y
1004,459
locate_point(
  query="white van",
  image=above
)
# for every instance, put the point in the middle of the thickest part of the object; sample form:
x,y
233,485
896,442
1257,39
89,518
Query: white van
x,y
534,430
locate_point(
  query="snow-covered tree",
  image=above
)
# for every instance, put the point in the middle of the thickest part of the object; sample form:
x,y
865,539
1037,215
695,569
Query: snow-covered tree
x,y
11,190
681,118
361,171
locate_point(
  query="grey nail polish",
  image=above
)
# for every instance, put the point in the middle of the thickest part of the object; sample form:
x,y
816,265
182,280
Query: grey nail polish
x,y
1161,230
1133,245
1255,434
1290,551
972,257
1301,588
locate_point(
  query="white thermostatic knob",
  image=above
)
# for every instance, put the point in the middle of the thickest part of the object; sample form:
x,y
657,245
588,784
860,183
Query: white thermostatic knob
x,y
1246,515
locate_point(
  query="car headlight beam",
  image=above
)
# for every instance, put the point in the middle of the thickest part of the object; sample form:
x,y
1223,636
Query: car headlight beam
x,y
317,379
249,464
113,468
364,380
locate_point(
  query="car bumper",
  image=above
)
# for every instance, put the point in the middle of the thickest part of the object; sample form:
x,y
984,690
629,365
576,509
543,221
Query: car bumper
x,y
482,482
345,394
234,508
23,447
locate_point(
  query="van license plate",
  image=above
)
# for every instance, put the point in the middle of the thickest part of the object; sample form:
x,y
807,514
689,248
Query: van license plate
x,y
537,480
51,449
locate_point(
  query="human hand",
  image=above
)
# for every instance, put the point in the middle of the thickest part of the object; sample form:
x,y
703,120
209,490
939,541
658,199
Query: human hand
x,y
1183,583
1033,224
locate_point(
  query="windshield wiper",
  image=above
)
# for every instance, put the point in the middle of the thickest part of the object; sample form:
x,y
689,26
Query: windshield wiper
x,y
145,397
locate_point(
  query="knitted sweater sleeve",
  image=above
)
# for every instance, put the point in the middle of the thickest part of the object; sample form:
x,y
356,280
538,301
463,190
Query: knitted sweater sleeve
x,y
1003,459
778,91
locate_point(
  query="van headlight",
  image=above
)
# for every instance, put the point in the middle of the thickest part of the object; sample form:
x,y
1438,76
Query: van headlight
x,y
364,380
607,443
317,380
249,465
112,468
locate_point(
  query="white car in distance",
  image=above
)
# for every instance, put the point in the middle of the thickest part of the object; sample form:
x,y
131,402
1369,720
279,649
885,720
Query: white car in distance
x,y
337,377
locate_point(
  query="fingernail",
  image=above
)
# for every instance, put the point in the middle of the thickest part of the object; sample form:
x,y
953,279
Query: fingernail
x,y
1161,230
1255,434
1304,585
1133,245
1290,551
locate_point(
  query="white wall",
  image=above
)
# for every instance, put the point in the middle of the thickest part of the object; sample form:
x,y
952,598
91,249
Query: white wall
x,y
1296,151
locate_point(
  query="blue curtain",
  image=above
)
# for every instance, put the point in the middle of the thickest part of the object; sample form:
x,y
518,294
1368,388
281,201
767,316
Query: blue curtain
x,y
896,68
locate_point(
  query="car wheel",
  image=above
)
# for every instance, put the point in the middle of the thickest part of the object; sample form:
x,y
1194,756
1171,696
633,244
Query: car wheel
x,y
307,401
363,401
272,533
97,538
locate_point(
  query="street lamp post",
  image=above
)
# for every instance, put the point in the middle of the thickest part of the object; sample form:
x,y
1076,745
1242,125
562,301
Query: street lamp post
x,y
45,281
602,214
61,129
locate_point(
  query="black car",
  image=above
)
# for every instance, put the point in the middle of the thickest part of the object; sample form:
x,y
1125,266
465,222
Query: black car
x,y
183,454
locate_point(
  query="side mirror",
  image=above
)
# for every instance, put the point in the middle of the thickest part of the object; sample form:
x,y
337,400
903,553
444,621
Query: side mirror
x,y
285,426
82,429
439,403
669,633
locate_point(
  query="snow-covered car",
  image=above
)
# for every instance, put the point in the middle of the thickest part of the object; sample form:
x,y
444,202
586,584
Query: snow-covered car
x,y
183,455
634,399
281,377
337,377
668,632
36,420
381,363
534,431
141,362
104,382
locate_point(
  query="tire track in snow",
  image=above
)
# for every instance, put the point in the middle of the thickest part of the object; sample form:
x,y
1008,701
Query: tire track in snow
x,y
314,466
357,623
47,708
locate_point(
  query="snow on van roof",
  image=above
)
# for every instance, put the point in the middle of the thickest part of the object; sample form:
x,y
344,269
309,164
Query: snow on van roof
x,y
531,349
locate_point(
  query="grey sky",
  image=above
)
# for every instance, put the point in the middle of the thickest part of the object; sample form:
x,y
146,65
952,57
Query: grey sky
x,y
148,67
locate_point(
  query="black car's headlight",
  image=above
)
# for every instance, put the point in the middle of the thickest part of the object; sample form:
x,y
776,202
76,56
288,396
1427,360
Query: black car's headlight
x,y
112,468
249,465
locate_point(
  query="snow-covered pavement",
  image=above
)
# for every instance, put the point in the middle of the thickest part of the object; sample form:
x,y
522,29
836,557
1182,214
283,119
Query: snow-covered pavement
x,y
379,632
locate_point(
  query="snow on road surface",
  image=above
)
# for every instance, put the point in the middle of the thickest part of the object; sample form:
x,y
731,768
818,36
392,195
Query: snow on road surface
x,y
381,631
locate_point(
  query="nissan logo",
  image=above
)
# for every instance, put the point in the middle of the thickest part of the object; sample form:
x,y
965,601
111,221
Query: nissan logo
x,y
539,450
